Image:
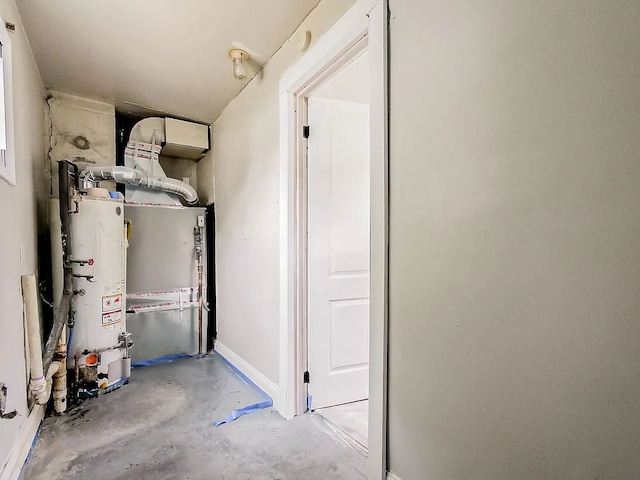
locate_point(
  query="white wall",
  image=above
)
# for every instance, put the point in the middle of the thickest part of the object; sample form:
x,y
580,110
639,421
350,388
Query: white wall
x,y
246,153
21,216
515,240
70,116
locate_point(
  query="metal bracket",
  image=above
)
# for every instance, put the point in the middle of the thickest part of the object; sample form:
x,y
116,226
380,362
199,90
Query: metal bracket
x,y
88,278
125,343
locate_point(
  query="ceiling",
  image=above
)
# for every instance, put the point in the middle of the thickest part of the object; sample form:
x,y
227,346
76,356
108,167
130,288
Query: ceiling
x,y
155,56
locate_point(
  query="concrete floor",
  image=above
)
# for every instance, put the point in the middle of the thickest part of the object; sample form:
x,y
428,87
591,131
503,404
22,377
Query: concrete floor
x,y
160,427
351,418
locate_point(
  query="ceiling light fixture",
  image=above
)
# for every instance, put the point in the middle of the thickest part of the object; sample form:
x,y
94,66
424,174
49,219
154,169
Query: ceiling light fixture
x,y
239,59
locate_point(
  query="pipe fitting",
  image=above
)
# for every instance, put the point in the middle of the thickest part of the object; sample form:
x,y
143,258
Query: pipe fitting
x,y
60,385
53,369
39,390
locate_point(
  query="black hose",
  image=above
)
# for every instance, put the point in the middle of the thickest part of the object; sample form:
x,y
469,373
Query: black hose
x,y
65,170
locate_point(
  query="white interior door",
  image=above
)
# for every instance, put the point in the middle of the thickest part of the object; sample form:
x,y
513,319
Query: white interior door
x,y
338,251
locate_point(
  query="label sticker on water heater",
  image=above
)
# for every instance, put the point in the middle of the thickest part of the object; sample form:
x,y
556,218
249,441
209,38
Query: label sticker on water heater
x,y
111,318
111,303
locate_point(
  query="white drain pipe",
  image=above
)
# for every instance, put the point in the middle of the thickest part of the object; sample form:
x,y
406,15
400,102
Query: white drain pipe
x,y
39,384
135,177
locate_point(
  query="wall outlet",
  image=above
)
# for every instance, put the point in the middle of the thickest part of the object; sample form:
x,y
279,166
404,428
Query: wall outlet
x,y
201,220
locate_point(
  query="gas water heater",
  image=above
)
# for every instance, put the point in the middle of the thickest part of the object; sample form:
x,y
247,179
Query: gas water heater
x,y
98,341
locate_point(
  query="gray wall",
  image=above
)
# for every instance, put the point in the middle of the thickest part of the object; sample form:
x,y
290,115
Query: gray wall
x,y
515,240
22,217
245,164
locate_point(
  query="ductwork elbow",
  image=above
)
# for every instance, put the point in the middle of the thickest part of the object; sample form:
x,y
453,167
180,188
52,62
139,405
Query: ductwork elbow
x,y
172,185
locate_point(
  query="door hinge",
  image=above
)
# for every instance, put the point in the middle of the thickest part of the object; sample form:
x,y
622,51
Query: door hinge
x,y
305,377
305,131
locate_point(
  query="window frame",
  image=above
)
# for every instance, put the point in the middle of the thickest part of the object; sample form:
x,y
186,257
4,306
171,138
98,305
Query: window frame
x,y
7,157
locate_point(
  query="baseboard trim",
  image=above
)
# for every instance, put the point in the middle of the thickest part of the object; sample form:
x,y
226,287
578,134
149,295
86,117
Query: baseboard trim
x,y
22,446
266,385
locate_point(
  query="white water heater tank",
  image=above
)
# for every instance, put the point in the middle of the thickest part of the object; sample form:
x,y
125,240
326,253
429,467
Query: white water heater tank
x,y
99,265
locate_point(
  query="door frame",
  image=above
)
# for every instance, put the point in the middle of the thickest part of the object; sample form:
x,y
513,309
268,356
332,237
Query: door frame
x,y
363,26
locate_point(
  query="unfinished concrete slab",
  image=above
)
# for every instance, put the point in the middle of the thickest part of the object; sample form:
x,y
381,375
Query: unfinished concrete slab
x,y
161,426
351,418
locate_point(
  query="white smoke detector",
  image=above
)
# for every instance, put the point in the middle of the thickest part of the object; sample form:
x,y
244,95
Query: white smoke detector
x,y
303,41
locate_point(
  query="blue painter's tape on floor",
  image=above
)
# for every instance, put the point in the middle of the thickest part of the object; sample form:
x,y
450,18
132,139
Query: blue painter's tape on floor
x,y
246,379
167,358
33,444
239,412
156,361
